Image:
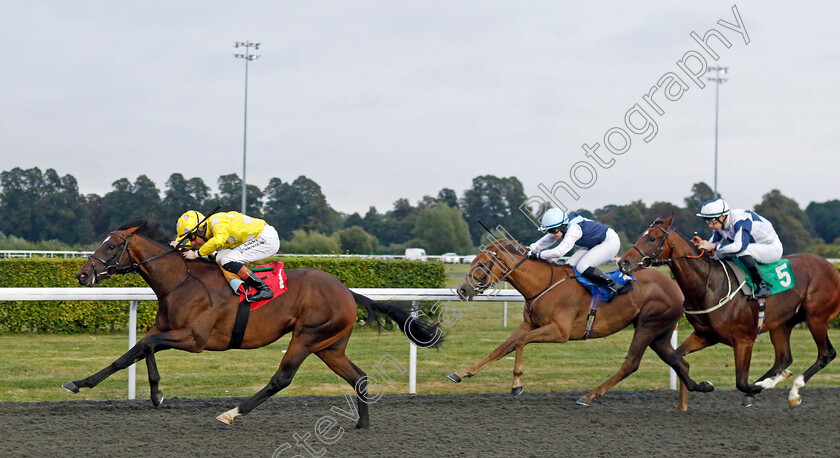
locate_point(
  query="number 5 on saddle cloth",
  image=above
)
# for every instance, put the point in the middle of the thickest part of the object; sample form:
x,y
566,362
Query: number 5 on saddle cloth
x,y
778,274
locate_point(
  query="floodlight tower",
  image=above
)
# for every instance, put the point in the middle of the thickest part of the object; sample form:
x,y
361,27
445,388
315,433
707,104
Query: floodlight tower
x,y
718,70
248,57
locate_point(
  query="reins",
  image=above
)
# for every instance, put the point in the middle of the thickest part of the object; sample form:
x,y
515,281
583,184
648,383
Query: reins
x,y
496,257
648,261
112,268
651,261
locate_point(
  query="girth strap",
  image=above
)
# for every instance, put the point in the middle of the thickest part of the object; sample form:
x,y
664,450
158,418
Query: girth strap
x,y
761,308
590,321
239,324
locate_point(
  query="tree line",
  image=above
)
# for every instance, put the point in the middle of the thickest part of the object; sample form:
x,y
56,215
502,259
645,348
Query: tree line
x,y
42,206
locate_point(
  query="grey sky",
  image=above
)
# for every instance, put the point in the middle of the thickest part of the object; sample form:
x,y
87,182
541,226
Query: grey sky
x,y
378,100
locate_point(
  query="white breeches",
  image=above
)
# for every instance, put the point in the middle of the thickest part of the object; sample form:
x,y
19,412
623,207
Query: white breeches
x,y
765,254
264,246
603,253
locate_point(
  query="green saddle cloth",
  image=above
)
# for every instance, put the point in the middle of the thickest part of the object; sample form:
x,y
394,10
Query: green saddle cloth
x,y
778,274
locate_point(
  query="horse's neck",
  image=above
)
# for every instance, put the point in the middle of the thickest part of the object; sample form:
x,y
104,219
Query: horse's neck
x,y
692,272
531,277
163,274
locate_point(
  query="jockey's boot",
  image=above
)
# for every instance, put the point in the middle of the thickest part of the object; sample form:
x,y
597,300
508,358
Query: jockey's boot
x,y
263,291
762,288
601,279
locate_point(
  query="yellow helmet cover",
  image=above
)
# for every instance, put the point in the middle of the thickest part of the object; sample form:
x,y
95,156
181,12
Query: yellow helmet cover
x,y
188,222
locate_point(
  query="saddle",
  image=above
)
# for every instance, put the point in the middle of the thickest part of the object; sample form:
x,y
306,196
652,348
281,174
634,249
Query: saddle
x,y
778,274
275,277
623,284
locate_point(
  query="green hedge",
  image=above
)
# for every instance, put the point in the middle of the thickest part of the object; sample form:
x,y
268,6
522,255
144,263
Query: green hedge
x,y
79,316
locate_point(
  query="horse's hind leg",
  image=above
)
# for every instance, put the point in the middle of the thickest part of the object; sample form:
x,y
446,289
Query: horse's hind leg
x,y
337,360
825,354
641,339
780,337
292,360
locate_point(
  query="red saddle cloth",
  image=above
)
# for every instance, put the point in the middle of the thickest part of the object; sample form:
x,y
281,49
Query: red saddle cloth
x,y
275,278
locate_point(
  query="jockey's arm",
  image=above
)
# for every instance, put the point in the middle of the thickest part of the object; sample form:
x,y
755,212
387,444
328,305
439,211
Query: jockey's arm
x,y
220,236
740,242
545,242
573,234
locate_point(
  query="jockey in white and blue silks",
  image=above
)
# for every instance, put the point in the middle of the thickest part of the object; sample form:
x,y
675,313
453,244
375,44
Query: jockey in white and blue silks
x,y
598,244
742,234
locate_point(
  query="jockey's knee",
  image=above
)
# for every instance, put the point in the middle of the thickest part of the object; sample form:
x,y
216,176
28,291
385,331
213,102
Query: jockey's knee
x,y
233,266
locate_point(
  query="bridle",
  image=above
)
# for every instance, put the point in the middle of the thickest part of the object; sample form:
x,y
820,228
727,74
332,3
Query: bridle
x,y
111,266
650,260
489,269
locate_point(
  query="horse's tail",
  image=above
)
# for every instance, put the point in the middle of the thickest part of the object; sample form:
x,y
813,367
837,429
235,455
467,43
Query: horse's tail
x,y
419,330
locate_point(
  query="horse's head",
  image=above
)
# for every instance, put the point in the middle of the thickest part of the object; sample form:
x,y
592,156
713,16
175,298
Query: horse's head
x,y
649,247
494,262
114,255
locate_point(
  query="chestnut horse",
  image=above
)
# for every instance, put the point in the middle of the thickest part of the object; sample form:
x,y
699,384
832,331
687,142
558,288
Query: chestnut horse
x,y
557,307
196,311
707,282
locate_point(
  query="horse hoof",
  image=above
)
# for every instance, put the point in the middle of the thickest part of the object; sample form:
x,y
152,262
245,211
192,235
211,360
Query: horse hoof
x,y
794,402
71,387
157,400
706,387
517,391
225,418
786,374
454,377
747,402
584,401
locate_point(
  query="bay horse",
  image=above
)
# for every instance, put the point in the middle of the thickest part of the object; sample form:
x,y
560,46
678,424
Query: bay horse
x,y
557,307
707,282
197,308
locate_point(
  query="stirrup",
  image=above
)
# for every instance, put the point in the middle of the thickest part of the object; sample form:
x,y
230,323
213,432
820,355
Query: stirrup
x,y
762,290
260,295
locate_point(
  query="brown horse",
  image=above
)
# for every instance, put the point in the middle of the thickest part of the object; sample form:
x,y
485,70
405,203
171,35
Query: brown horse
x,y
196,311
706,283
557,307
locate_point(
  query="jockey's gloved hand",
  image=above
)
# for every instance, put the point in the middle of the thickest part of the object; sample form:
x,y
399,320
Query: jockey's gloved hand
x,y
534,254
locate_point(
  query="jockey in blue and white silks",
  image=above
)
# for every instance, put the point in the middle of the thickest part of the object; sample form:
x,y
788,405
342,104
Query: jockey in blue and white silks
x,y
598,244
742,234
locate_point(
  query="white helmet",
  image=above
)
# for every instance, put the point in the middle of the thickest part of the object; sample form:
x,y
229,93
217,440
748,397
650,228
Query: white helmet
x,y
714,208
553,218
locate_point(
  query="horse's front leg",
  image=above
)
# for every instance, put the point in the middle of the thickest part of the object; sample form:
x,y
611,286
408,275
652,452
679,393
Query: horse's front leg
x,y
743,355
676,359
505,348
181,339
135,354
548,333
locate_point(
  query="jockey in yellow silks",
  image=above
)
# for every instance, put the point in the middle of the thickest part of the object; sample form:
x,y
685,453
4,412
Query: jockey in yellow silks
x,y
233,239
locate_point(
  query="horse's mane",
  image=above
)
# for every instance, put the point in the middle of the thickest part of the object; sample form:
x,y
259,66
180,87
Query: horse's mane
x,y
149,229
511,246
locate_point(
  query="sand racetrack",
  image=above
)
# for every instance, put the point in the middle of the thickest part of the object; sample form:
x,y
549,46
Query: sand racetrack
x,y
622,423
